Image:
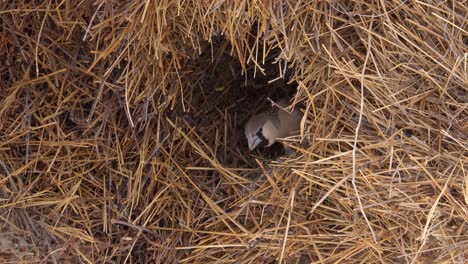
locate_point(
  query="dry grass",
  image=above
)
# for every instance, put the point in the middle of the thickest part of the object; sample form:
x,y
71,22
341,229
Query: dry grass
x,y
121,132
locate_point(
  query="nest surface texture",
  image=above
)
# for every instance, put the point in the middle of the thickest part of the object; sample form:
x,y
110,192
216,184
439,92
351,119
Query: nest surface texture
x,y
121,131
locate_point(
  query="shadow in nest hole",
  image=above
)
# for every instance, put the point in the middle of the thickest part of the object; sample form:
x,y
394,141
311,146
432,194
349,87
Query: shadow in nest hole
x,y
223,99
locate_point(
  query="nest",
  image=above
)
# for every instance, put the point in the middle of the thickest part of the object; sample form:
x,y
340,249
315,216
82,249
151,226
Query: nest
x,y
122,132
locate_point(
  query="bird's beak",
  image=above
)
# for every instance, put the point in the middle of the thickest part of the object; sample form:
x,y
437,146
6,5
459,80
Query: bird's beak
x,y
253,142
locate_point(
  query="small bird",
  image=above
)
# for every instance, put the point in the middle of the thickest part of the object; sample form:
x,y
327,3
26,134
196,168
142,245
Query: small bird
x,y
262,130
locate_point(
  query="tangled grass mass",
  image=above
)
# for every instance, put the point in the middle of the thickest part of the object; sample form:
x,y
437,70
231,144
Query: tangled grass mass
x,y
122,131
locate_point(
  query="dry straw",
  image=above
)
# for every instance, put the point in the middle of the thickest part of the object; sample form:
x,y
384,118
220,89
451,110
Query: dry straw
x,y
121,134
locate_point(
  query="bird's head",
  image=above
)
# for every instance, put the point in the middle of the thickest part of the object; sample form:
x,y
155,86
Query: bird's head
x,y
255,133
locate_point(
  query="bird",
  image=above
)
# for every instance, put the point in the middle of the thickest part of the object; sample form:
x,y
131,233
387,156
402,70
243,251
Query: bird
x,y
264,129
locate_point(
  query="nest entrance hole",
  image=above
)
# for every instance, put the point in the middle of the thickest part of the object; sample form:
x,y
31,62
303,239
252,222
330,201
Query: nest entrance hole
x,y
223,97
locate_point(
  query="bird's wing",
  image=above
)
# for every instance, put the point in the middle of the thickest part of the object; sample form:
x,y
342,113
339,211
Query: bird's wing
x,y
289,123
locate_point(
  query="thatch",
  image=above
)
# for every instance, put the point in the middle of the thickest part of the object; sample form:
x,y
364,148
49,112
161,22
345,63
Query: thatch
x,y
122,131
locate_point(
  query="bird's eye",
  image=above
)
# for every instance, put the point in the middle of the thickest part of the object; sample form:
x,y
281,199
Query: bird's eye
x,y
260,135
